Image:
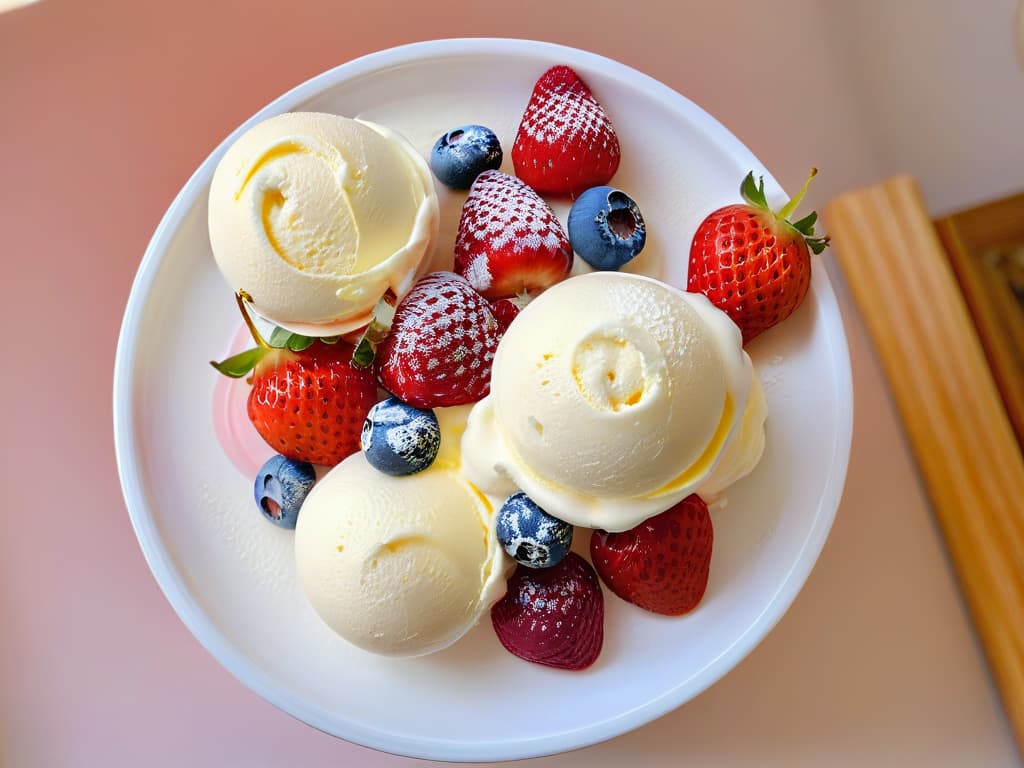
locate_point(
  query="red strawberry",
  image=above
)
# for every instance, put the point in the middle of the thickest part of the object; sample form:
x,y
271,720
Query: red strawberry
x,y
509,241
311,405
753,263
441,344
308,401
662,564
566,143
552,616
505,312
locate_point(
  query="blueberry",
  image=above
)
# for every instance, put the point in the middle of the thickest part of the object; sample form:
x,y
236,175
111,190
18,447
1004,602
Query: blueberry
x,y
530,535
464,153
605,228
399,439
281,486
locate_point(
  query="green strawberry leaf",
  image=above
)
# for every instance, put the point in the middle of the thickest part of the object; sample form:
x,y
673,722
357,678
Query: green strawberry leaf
x,y
753,192
376,331
298,342
363,356
279,337
282,339
241,364
818,244
806,225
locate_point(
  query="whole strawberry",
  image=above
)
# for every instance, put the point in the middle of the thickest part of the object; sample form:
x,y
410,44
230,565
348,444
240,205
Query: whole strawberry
x,y
311,405
754,263
308,401
552,616
441,344
661,565
566,142
509,241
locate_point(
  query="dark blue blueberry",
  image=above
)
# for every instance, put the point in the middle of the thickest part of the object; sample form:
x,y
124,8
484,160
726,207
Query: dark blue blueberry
x,y
399,439
605,228
281,487
464,153
530,535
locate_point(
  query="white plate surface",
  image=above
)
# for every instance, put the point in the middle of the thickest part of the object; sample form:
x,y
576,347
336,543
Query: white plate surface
x,y
230,576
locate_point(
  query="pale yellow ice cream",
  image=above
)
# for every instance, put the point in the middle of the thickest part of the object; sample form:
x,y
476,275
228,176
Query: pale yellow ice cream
x,y
744,451
315,216
400,566
613,396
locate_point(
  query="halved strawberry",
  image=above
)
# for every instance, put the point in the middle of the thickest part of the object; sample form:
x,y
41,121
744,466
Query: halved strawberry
x,y
661,565
552,616
441,344
509,241
308,402
566,142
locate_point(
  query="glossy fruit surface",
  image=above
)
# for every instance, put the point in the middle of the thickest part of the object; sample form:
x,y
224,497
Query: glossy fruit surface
x,y
281,486
754,263
310,405
661,565
606,228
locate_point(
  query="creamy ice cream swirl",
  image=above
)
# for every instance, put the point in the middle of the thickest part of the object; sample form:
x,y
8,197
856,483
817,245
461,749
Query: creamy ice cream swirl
x,y
316,216
613,396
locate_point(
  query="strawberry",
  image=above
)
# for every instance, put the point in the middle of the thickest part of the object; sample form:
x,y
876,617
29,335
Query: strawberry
x,y
441,344
505,311
509,241
662,564
552,616
308,401
754,263
565,143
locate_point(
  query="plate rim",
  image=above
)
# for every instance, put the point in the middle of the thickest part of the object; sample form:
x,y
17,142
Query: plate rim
x,y
249,673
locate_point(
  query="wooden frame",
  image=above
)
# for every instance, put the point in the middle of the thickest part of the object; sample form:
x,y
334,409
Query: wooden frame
x,y
956,422
985,246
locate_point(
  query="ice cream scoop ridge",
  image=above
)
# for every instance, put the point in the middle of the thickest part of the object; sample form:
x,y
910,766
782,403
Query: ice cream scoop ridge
x,y
401,566
613,396
315,216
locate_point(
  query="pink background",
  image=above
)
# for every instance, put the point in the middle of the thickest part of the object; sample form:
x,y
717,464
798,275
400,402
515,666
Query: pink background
x,y
106,107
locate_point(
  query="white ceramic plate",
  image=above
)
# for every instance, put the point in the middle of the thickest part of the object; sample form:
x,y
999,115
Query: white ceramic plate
x,y
230,576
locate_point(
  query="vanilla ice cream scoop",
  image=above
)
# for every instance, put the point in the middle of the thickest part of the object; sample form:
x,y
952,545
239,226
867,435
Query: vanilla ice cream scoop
x,y
744,450
400,566
315,216
613,396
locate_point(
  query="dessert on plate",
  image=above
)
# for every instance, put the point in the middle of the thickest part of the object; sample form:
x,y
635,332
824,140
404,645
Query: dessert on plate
x,y
464,423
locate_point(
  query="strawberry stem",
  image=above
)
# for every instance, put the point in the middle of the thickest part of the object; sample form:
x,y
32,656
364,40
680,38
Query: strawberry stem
x,y
241,364
241,298
787,210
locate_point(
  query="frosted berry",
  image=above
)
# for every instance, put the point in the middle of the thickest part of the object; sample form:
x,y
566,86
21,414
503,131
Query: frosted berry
x,y
463,153
552,616
399,439
530,535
